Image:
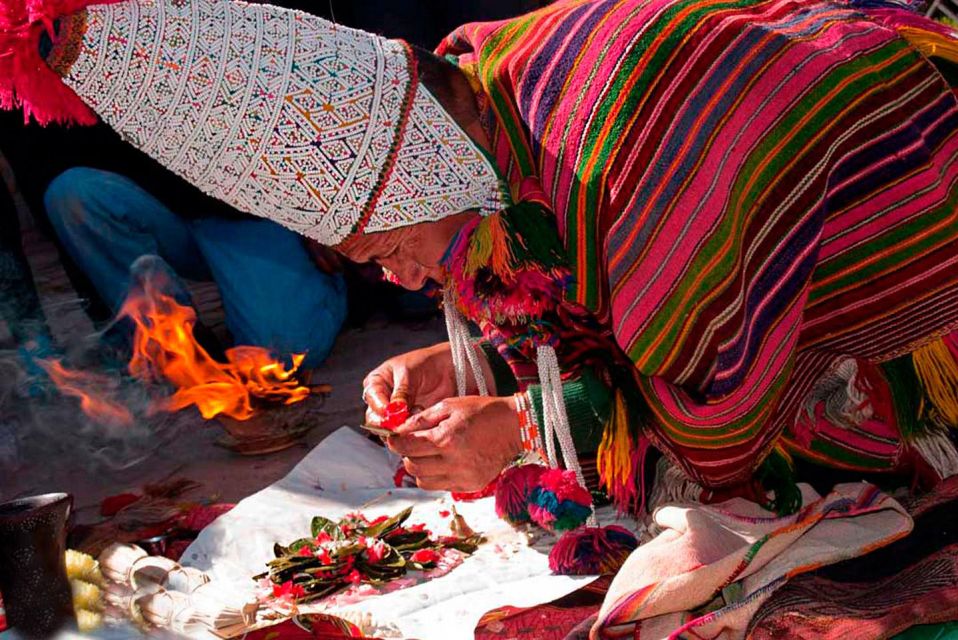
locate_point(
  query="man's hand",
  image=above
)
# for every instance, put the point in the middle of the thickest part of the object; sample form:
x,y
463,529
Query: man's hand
x,y
420,378
460,444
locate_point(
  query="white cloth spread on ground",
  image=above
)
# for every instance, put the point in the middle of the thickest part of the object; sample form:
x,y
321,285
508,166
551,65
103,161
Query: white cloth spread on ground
x,y
344,473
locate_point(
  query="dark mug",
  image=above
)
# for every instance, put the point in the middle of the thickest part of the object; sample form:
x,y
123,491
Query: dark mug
x,y
33,573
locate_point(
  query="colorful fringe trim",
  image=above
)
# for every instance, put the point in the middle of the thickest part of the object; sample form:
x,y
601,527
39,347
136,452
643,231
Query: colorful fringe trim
x,y
26,81
620,461
510,268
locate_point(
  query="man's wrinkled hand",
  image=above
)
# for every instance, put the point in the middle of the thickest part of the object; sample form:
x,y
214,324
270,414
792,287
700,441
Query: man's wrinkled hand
x,y
459,444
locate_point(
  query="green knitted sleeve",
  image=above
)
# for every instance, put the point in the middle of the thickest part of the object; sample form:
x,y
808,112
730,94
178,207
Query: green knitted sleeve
x,y
506,384
588,403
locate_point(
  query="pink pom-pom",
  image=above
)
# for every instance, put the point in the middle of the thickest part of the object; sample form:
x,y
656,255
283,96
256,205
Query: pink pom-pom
x,y
592,551
565,486
513,490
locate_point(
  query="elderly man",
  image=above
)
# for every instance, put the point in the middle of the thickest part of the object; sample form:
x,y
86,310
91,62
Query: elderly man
x,y
723,229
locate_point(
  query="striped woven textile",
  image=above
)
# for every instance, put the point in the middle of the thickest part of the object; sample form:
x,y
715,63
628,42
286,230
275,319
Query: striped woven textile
x,y
749,191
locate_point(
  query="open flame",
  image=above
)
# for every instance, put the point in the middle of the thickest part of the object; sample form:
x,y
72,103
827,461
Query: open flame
x,y
93,390
164,349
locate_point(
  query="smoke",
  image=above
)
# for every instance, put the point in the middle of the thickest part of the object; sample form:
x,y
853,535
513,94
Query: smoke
x,y
43,430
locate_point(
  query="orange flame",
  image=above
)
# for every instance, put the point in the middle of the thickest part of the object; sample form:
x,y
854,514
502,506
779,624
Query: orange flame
x,y
164,348
90,388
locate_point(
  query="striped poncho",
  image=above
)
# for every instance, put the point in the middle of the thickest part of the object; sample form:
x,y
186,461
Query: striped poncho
x,y
758,201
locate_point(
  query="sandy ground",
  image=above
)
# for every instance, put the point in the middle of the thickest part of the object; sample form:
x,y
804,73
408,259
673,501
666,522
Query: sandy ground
x,y
59,458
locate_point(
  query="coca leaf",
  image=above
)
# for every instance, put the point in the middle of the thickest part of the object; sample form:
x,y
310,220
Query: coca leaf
x,y
383,528
300,544
466,545
346,550
320,524
409,541
317,590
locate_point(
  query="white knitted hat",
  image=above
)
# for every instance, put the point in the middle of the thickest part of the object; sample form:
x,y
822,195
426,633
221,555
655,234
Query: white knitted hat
x,y
284,115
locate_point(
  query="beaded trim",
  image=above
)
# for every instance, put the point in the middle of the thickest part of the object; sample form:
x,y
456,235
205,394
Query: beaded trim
x,y
528,429
69,42
390,162
281,114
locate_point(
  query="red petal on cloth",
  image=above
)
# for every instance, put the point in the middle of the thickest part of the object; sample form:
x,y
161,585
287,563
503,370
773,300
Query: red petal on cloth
x,y
400,475
114,504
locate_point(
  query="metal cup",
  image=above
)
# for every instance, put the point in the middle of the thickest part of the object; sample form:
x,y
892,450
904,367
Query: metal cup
x,y
33,574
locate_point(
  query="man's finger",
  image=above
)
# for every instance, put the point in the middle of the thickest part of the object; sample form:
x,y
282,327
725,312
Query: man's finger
x,y
400,392
373,419
376,392
426,466
414,445
426,419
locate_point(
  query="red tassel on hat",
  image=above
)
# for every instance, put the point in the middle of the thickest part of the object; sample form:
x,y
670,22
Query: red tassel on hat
x,y
26,81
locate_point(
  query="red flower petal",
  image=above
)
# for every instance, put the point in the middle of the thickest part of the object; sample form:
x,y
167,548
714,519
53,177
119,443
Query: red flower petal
x,y
425,556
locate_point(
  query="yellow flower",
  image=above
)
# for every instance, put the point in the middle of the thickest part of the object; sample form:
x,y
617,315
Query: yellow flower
x,y
80,566
87,621
86,596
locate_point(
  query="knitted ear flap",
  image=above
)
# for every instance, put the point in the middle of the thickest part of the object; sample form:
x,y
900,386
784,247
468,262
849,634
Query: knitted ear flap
x,y
26,81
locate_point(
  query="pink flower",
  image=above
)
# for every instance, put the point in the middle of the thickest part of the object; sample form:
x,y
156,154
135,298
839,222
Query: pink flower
x,y
323,556
375,549
322,537
288,590
354,577
425,556
305,551
378,520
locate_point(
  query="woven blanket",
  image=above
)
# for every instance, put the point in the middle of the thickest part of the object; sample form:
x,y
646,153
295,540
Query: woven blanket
x,y
749,192
709,571
874,597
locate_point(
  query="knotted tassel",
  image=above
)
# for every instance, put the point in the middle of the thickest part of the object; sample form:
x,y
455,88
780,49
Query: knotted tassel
x,y
620,461
937,370
592,551
26,81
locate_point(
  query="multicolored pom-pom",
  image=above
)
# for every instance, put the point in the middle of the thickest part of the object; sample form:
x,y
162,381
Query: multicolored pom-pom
x,y
551,498
559,502
592,551
515,486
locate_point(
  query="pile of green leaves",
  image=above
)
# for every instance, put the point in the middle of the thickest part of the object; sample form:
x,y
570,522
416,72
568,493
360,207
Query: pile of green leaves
x,y
355,550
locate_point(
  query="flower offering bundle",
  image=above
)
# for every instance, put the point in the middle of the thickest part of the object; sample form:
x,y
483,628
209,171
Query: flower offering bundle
x,y
357,550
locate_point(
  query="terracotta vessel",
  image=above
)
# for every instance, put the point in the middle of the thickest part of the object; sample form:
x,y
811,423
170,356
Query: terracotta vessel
x,y
33,575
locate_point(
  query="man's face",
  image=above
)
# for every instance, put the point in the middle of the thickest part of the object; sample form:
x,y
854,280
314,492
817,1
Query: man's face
x,y
412,253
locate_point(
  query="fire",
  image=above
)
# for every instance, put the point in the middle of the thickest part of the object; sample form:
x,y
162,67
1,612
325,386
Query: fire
x,y
92,390
164,349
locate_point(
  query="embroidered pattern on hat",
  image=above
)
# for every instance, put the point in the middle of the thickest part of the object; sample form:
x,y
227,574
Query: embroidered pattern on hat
x,y
281,114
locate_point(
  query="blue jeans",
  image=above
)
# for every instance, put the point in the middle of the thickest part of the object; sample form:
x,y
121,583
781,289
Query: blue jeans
x,y
273,294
